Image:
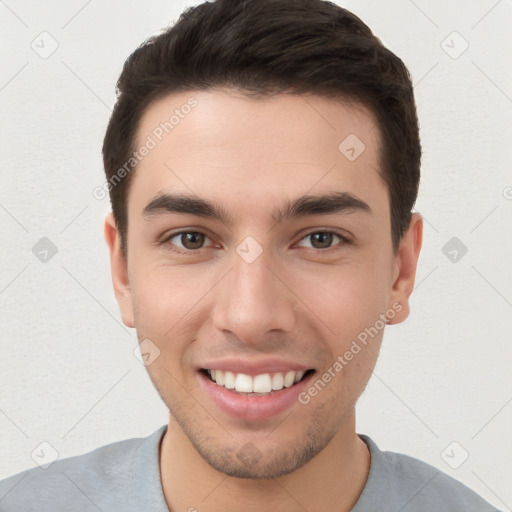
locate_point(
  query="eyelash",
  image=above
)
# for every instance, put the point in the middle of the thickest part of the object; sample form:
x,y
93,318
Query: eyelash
x,y
166,240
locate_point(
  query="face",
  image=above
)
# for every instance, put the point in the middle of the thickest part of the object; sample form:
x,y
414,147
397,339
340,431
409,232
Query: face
x,y
259,256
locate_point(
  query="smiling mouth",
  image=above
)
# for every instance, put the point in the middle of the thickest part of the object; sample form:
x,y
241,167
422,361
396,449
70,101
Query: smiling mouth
x,y
256,385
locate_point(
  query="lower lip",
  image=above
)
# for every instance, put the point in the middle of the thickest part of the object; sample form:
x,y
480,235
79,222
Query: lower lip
x,y
253,407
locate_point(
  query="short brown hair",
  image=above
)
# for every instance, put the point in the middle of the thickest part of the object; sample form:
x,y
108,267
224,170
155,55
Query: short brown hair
x,y
262,48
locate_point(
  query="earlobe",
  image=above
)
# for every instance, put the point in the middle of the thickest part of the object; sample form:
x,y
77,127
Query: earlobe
x,y
119,269
406,261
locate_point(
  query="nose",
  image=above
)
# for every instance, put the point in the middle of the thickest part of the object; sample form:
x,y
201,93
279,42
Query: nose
x,y
253,299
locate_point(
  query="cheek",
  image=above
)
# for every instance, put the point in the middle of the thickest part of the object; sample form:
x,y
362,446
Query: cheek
x,y
162,295
169,306
348,298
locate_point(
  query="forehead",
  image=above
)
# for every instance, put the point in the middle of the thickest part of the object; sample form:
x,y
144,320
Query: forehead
x,y
222,144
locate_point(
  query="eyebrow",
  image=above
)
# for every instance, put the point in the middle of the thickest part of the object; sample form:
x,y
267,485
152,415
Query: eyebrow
x,y
325,204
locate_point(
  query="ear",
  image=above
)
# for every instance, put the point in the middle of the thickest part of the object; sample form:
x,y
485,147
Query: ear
x,y
119,269
406,261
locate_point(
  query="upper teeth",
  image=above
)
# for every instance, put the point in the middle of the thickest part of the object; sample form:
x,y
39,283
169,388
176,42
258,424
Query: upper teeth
x,y
263,383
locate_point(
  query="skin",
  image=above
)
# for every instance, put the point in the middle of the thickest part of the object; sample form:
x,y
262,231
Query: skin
x,y
297,300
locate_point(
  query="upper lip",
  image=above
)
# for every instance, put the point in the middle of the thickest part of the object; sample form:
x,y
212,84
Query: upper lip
x,y
253,366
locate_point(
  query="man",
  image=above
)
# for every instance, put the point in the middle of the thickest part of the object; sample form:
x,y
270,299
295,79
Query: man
x,y
262,161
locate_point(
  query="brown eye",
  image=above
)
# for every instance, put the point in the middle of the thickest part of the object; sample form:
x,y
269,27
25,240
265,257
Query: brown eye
x,y
321,240
185,241
192,240
324,239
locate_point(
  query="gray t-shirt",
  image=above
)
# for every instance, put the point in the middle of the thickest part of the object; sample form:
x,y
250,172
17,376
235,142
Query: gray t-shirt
x,y
125,476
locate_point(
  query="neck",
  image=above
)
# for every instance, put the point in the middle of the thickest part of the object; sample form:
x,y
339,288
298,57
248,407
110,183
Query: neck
x,y
333,480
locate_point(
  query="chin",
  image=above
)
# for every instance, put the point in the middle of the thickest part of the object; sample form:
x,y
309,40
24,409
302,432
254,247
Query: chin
x,y
264,458
249,462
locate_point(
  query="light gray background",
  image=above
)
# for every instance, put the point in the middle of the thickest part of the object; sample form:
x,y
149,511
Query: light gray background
x,y
68,374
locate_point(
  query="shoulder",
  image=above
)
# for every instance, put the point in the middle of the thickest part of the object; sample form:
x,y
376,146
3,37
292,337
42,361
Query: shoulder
x,y
83,482
408,484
